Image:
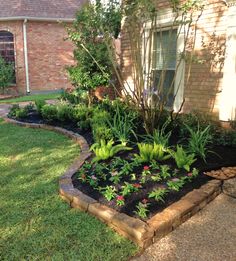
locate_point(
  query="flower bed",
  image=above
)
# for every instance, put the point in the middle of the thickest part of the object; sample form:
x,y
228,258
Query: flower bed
x,y
143,185
141,232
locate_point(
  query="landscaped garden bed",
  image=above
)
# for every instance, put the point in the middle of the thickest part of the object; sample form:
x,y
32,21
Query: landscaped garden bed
x,y
135,186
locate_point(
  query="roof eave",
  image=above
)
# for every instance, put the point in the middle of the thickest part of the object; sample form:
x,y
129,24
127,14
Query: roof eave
x,y
39,19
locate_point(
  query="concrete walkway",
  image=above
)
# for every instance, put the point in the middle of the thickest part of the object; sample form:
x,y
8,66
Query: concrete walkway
x,y
4,107
210,235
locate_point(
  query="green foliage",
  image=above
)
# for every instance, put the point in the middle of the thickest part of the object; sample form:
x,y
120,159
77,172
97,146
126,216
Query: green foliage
x,y
64,111
224,137
82,115
94,67
99,125
6,74
164,171
160,135
198,141
195,121
127,189
158,194
122,125
109,192
105,150
142,210
49,112
13,110
150,152
175,184
182,159
39,105
75,96
17,112
21,113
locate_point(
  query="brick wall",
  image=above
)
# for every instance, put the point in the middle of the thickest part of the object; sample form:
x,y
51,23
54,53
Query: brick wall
x,y
48,54
203,83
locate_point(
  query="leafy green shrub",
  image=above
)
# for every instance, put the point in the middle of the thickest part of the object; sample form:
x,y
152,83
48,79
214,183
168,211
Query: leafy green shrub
x,y
82,114
150,152
64,112
198,141
105,150
6,74
100,128
49,112
75,96
195,121
13,110
225,137
182,159
29,107
39,105
21,113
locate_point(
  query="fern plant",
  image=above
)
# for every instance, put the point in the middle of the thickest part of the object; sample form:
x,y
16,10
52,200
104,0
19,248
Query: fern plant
x,y
150,152
105,150
182,159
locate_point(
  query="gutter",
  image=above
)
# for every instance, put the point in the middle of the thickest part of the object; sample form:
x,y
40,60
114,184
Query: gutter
x,y
26,56
39,19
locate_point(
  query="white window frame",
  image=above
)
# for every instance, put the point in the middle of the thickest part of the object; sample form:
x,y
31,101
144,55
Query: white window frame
x,y
165,20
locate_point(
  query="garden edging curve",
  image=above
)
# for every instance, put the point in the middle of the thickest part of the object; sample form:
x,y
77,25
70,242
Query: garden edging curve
x,y
140,232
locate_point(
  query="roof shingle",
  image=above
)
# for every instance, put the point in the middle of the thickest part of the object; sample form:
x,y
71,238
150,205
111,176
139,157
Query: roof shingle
x,y
56,9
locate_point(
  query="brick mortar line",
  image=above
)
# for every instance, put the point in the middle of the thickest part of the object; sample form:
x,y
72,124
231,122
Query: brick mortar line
x,y
140,232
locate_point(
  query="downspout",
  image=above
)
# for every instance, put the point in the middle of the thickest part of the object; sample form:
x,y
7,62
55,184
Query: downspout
x,y
26,56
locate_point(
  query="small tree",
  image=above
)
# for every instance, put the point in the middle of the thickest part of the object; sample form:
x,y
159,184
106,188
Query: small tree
x,y
6,74
93,66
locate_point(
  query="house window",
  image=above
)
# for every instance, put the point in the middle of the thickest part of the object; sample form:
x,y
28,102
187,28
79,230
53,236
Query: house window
x,y
7,47
164,64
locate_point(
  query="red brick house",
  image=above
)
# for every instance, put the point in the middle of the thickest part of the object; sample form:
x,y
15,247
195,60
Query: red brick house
x,y
32,36
211,86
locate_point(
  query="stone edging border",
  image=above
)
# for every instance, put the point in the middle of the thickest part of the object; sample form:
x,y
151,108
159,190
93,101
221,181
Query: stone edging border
x,y
140,232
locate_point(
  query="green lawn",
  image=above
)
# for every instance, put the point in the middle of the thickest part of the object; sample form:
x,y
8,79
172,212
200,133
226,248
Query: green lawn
x,y
35,224
34,97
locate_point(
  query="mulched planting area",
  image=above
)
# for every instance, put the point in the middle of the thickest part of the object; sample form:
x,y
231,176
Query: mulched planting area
x,y
219,156
34,117
222,156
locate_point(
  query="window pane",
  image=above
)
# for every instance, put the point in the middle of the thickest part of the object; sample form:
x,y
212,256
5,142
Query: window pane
x,y
168,86
165,50
7,48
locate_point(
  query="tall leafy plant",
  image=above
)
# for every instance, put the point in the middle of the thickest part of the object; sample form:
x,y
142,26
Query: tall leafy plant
x,y
93,69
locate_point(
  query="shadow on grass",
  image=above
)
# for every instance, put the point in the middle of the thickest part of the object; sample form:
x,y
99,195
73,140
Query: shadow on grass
x,y
34,222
